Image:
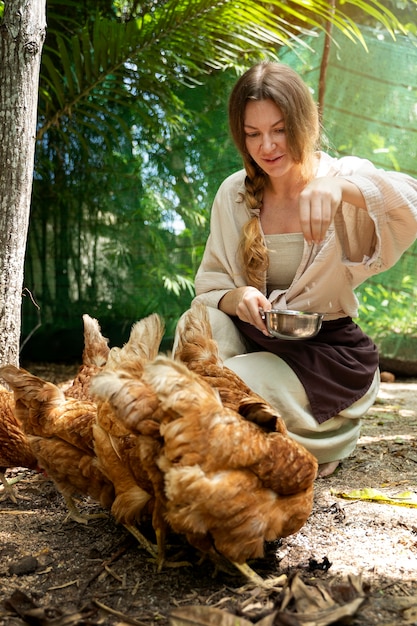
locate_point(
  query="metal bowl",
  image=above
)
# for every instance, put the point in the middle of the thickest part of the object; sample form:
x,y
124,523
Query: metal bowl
x,y
286,324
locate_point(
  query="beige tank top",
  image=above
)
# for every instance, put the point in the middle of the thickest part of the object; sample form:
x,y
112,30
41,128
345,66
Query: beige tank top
x,y
285,253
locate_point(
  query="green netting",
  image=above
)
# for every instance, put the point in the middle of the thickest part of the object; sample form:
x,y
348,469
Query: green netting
x,y
370,110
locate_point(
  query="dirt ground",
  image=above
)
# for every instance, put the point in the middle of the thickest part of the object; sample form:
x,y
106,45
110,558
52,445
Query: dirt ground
x,y
354,561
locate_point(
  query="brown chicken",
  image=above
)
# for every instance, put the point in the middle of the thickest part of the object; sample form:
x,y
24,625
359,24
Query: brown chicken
x,y
196,348
95,354
60,433
228,485
15,450
128,456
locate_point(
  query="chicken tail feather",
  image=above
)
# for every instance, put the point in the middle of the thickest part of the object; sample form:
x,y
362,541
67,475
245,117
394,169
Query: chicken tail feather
x,y
96,348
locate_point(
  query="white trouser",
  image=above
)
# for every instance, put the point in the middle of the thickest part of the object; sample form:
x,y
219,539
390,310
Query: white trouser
x,y
270,377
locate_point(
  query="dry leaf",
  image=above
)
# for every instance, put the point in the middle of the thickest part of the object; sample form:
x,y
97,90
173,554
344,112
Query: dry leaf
x,y
331,615
271,620
205,616
314,605
309,598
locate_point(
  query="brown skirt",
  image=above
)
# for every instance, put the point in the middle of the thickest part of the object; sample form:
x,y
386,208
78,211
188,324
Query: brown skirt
x,y
336,367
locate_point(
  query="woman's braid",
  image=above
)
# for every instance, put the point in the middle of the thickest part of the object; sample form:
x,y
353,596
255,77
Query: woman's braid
x,y
254,253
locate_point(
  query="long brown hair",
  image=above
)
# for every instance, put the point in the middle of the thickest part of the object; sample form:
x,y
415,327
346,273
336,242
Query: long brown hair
x,y
281,84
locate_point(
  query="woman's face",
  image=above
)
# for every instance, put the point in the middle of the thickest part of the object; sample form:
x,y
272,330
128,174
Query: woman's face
x,y
266,140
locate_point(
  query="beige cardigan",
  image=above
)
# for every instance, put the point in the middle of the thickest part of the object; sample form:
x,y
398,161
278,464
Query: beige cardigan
x,y
358,245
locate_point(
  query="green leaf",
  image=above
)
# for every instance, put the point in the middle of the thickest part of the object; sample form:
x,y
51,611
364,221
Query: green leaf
x,y
54,79
67,78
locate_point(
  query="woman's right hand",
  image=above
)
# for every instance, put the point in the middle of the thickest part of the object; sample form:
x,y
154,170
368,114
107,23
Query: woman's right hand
x,y
245,302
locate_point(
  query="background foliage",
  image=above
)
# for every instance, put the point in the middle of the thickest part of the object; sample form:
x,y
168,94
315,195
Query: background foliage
x,y
133,143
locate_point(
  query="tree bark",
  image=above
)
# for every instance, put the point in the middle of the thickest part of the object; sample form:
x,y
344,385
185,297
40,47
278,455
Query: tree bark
x,y
22,34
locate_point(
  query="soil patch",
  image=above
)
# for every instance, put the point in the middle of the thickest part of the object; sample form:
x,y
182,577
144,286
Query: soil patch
x,y
56,572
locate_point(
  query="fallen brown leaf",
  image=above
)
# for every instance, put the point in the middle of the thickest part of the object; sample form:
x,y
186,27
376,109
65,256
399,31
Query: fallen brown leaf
x,y
205,616
315,605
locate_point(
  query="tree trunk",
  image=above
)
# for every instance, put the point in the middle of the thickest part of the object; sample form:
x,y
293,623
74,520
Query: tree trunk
x,y
325,62
22,34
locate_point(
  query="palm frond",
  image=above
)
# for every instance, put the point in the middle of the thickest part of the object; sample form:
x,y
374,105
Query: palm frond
x,y
176,43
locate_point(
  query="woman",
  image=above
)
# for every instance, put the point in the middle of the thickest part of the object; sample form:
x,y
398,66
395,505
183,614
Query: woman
x,y
297,229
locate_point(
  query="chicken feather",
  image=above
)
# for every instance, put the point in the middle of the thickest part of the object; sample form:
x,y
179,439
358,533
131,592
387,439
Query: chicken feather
x,y
95,353
15,450
74,472
43,409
